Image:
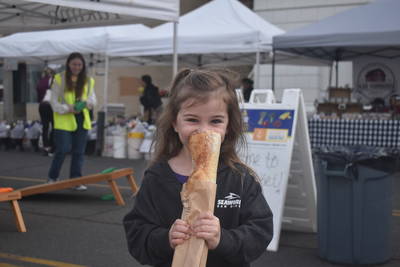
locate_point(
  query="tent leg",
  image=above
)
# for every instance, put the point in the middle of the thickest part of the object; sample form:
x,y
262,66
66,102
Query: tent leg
x,y
105,89
330,74
273,71
258,68
175,51
337,73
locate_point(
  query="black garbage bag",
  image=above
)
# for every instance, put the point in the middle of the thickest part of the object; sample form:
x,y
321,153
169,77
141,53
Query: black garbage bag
x,y
378,158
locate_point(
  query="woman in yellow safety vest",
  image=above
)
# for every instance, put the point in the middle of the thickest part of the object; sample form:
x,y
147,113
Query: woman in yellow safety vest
x,y
72,97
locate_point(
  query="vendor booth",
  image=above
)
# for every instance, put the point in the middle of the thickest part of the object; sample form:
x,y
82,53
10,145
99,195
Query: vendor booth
x,y
373,46
353,36
355,132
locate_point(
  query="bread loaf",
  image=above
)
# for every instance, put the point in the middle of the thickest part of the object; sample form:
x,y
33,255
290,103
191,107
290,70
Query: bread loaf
x,y
204,148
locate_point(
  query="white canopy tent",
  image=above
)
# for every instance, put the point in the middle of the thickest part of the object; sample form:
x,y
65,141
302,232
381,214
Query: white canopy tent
x,y
53,46
30,15
48,44
220,29
220,26
33,15
372,29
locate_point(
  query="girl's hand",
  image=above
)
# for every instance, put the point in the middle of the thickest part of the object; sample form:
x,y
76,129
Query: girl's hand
x,y
207,227
179,232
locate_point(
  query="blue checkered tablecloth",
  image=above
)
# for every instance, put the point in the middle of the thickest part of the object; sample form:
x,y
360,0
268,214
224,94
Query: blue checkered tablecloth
x,y
376,133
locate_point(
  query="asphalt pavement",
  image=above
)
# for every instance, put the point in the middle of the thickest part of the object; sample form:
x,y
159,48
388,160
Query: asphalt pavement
x,y
70,228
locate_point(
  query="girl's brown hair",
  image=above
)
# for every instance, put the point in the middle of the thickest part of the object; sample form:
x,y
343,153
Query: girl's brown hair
x,y
80,83
200,85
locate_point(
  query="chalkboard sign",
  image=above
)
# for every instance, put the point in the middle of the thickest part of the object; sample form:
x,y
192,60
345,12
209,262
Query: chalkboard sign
x,y
272,130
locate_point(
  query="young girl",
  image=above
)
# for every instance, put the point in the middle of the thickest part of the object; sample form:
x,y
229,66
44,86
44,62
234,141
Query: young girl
x,y
241,228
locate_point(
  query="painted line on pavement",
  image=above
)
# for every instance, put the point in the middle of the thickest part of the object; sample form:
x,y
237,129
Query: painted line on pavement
x,y
40,181
38,261
8,265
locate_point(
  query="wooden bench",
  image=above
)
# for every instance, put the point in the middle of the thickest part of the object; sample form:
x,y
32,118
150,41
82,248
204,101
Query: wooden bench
x,y
13,197
90,179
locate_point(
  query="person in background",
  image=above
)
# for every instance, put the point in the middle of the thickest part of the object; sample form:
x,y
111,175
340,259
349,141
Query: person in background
x,y
5,135
32,133
17,135
378,105
72,96
394,106
151,99
236,235
247,87
45,110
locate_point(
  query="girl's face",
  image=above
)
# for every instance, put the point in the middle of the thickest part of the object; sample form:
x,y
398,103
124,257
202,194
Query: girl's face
x,y
211,115
76,66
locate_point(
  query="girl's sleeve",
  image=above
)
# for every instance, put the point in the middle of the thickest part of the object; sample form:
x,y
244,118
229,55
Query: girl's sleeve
x,y
247,242
147,240
56,95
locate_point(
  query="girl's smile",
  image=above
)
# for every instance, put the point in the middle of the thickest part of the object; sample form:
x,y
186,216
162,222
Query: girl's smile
x,y
196,116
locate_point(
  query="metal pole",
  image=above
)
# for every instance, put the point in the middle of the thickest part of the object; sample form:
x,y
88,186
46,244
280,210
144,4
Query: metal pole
x,y
258,68
337,73
175,50
330,74
273,71
105,89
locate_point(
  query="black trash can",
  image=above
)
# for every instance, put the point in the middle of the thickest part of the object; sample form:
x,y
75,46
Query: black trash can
x,y
355,204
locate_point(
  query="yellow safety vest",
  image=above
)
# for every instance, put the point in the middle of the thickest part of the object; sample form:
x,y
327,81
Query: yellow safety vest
x,y
67,122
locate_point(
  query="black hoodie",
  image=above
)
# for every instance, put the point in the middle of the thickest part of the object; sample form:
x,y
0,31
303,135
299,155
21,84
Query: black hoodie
x,y
245,218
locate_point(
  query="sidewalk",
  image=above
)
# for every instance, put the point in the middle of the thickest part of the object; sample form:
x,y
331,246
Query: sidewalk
x,y
70,228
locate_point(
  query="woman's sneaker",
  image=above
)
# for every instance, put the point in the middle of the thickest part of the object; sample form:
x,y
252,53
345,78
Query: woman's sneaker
x,y
81,187
51,181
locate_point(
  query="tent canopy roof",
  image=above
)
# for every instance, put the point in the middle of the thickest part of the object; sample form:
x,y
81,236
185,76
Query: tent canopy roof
x,y
220,26
63,42
221,31
33,15
372,29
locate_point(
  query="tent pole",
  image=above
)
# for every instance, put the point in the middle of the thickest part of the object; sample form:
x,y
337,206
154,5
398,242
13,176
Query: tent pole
x,y
337,73
175,50
105,89
258,67
273,71
330,74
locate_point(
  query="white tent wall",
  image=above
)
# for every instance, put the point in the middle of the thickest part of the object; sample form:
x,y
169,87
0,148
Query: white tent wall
x,y
313,80
160,75
292,14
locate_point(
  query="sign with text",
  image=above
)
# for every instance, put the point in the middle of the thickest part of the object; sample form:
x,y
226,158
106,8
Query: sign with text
x,y
272,130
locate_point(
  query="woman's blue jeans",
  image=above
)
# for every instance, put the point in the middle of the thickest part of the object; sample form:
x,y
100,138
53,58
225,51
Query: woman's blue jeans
x,y
74,142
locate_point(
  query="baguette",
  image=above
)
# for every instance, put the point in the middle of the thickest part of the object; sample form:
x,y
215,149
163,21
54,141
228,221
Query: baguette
x,y
204,148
